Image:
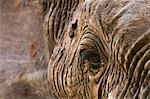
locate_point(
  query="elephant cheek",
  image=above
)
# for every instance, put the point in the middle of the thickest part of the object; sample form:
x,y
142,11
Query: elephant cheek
x,y
72,82
81,86
96,83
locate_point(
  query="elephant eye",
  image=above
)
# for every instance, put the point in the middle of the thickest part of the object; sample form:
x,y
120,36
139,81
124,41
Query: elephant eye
x,y
92,57
95,60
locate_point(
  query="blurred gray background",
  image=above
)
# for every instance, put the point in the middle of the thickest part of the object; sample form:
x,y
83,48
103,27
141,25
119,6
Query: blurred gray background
x,y
21,48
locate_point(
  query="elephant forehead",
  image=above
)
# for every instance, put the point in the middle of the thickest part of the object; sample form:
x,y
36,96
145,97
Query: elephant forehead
x,y
117,15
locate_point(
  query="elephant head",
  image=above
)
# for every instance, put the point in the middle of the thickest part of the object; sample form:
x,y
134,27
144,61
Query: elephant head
x,y
99,49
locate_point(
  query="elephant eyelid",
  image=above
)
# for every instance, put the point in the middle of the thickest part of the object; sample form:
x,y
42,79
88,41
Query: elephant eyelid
x,y
91,56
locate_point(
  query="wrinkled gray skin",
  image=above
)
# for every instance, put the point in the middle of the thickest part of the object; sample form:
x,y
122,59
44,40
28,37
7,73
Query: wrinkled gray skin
x,y
99,49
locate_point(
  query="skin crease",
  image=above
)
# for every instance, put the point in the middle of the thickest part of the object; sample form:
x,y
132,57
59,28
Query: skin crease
x,y
116,31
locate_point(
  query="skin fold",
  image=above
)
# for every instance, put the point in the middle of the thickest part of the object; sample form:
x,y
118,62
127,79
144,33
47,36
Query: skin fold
x,y
98,49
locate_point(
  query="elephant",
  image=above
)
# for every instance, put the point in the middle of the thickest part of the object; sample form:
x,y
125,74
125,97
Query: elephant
x,y
98,49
